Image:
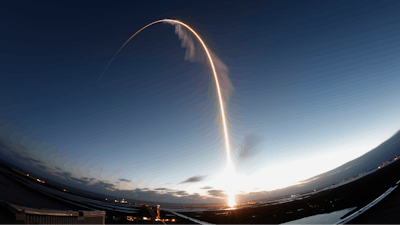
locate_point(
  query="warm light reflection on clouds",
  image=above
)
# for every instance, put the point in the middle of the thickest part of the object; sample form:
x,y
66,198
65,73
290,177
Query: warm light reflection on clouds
x,y
286,174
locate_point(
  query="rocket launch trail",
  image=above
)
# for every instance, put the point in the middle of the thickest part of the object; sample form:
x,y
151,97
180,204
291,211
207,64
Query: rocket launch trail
x,y
230,168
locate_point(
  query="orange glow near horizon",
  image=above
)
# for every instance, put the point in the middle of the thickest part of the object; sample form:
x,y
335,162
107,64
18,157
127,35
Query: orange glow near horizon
x,y
230,168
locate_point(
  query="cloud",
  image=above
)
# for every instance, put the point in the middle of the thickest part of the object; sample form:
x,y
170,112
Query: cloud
x,y
124,180
206,187
216,193
162,189
19,154
93,183
193,179
42,167
180,193
247,147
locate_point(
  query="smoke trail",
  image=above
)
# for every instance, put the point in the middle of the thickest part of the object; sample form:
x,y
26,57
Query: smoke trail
x,y
187,42
247,147
198,56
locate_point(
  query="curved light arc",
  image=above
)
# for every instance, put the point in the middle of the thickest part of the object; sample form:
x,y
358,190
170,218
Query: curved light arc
x,y
221,103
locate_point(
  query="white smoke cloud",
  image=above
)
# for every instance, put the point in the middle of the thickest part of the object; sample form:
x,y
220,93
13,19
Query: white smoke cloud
x,y
187,42
200,56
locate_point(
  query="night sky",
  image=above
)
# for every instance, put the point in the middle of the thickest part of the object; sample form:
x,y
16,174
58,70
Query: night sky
x,y
312,85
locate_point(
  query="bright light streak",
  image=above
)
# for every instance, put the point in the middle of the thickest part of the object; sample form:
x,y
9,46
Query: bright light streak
x,y
230,169
231,199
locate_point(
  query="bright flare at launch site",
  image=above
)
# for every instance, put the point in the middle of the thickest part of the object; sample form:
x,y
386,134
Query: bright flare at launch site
x,y
230,171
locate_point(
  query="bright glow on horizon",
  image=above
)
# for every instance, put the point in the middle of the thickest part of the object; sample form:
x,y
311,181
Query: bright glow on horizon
x,y
231,196
289,173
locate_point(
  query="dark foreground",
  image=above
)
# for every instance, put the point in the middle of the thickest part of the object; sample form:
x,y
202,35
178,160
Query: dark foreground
x,y
385,212
358,193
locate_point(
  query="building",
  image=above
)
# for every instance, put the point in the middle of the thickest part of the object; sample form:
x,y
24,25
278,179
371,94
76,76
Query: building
x,y
31,215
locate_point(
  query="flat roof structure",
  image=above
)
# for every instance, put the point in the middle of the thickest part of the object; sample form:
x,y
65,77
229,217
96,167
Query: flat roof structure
x,y
21,214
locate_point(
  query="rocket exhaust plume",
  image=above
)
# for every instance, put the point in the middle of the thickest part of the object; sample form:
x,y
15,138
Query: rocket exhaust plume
x,y
190,53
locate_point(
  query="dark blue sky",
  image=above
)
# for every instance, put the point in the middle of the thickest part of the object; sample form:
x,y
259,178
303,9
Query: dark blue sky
x,y
312,80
